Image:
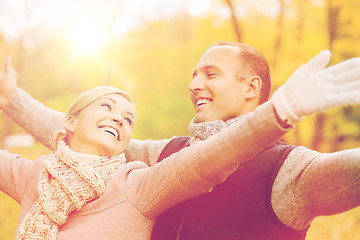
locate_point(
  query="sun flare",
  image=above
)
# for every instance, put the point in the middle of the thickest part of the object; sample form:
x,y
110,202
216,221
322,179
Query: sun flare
x,y
89,40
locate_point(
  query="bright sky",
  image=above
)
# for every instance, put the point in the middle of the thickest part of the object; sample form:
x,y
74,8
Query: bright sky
x,y
17,16
87,23
94,20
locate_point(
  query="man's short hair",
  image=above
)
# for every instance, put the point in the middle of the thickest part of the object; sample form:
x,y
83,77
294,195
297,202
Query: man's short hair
x,y
255,63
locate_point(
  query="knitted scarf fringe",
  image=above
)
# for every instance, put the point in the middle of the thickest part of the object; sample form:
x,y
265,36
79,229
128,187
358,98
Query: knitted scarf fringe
x,y
65,184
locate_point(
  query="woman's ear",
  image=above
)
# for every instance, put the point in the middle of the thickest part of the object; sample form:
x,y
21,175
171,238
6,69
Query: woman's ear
x,y
70,124
254,87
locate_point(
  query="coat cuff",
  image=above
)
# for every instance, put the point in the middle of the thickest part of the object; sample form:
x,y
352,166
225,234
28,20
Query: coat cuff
x,y
283,109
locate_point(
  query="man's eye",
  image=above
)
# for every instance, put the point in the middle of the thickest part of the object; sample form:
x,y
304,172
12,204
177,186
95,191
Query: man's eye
x,y
211,75
106,105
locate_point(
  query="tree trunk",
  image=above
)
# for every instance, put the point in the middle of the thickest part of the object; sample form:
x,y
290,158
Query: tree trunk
x,y
280,27
235,21
299,38
333,13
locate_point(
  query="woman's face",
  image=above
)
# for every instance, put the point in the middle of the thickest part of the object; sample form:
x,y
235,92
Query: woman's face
x,y
102,128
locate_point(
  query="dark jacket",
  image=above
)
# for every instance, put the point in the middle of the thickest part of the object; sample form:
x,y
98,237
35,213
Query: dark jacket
x,y
239,208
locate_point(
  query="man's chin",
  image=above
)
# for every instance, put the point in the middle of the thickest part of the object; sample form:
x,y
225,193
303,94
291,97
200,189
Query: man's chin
x,y
201,117
197,119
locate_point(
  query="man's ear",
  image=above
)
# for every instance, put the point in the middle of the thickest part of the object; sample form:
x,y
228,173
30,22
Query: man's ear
x,y
70,124
254,87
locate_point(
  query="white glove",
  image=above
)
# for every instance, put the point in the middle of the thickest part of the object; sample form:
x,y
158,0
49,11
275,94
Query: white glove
x,y
313,88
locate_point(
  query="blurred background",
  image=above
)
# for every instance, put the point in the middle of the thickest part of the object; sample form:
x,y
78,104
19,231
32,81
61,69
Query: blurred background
x,y
149,48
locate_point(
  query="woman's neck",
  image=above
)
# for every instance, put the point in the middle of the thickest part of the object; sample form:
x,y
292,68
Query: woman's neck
x,y
82,156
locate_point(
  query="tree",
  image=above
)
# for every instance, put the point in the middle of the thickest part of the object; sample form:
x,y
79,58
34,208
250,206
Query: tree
x,y
279,35
299,32
333,10
234,19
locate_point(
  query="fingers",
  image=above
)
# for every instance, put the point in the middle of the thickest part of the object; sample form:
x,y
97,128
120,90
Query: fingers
x,y
352,75
348,98
319,61
347,87
343,67
345,93
346,73
8,66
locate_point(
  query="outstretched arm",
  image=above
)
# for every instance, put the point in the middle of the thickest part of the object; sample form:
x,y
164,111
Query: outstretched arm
x,y
34,117
207,163
8,83
43,123
196,169
14,173
312,184
38,120
338,183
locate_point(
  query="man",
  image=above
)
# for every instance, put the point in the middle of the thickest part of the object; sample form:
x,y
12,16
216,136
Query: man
x,y
277,194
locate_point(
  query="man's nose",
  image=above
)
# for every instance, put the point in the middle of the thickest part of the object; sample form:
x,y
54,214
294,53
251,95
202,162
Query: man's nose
x,y
196,84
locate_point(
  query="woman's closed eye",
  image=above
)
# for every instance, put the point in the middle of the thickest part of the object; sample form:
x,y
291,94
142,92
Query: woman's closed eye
x,y
128,120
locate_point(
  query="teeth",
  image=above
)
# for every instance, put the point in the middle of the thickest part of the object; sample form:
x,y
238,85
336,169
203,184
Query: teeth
x,y
111,130
202,101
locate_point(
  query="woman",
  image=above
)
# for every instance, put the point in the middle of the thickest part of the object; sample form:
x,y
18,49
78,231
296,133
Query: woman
x,y
99,123
86,190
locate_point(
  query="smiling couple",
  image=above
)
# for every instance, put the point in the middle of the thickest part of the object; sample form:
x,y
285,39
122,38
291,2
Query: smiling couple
x,y
231,180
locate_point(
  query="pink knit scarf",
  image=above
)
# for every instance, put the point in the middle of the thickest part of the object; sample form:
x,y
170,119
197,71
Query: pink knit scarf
x,y
65,184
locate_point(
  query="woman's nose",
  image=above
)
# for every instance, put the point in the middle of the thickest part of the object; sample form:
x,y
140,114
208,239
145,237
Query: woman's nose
x,y
119,119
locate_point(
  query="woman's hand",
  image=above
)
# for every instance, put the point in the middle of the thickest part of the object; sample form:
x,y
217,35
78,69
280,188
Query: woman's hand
x,y
8,83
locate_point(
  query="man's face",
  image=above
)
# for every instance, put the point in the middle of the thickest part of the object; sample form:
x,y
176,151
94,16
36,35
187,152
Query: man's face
x,y
216,92
103,127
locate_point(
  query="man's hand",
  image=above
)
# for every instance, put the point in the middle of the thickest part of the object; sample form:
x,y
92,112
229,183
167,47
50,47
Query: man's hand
x,y
8,83
313,88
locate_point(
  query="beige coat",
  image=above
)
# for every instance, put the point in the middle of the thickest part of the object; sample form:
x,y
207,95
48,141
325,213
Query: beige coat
x,y
137,193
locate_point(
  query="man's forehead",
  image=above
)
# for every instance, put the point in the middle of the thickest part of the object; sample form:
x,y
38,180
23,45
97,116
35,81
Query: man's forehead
x,y
217,56
223,49
220,54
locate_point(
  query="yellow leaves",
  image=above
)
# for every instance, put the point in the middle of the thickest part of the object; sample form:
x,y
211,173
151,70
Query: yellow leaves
x,y
9,210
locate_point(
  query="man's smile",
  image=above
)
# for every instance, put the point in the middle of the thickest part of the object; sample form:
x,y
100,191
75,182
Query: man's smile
x,y
202,101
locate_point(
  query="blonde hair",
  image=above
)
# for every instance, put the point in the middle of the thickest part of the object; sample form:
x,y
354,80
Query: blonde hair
x,y
85,99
